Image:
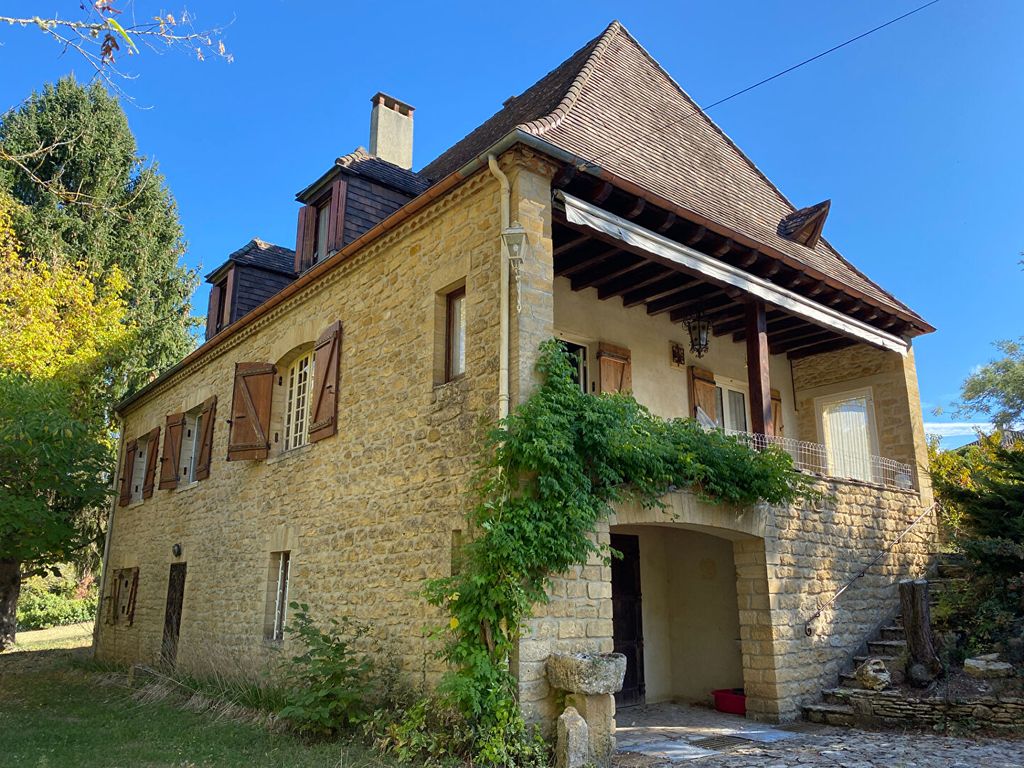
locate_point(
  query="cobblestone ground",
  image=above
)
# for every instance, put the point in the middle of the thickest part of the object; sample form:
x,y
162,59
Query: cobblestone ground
x,y
850,748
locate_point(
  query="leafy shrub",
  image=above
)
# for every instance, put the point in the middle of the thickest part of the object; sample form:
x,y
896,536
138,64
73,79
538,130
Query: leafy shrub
x,y
50,601
328,685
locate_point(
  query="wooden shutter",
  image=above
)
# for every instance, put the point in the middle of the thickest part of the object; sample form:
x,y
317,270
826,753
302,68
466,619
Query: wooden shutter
x,y
777,412
113,599
208,417
127,471
703,392
130,613
324,409
212,314
616,368
304,238
250,411
170,461
152,451
336,225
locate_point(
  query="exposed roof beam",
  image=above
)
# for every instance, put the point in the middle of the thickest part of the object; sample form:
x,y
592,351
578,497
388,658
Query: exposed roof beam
x,y
657,288
673,300
712,301
671,253
646,273
817,337
580,261
617,265
817,349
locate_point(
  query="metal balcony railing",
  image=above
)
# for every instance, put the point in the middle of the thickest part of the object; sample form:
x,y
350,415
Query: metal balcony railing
x,y
817,459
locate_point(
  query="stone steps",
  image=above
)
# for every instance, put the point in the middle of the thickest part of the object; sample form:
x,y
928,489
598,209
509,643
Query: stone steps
x,y
892,632
858,660
889,648
830,714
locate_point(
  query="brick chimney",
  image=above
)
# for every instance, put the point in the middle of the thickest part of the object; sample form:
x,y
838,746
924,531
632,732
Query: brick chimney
x,y
391,130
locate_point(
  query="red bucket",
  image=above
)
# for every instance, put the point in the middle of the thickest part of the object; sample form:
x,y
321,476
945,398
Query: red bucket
x,y
730,700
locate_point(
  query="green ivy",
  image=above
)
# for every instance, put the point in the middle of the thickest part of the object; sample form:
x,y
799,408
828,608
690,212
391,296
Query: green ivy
x,y
552,471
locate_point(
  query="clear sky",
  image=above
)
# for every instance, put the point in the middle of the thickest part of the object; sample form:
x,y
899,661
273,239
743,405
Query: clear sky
x,y
914,132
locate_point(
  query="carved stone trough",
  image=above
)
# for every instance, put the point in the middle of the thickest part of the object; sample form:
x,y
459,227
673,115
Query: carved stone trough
x,y
590,680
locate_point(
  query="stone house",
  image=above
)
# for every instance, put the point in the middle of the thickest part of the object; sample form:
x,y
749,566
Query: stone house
x,y
320,444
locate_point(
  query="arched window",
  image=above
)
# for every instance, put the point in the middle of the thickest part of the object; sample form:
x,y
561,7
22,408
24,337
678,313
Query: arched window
x,y
297,398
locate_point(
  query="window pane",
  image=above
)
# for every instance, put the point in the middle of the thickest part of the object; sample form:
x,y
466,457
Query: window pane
x,y
848,438
297,402
578,354
323,220
719,408
456,334
737,411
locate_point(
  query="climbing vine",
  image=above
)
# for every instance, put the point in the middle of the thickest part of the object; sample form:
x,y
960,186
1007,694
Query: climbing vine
x,y
550,473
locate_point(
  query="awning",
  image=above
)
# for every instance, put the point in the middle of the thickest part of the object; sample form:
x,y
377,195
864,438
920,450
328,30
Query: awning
x,y
678,256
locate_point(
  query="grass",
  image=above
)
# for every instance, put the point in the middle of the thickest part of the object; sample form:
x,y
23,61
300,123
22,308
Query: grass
x,y
56,709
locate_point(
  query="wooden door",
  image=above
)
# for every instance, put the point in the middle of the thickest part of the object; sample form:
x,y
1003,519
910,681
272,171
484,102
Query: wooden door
x,y
172,616
627,617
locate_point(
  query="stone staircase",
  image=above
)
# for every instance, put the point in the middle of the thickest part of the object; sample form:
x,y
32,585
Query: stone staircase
x,y
889,645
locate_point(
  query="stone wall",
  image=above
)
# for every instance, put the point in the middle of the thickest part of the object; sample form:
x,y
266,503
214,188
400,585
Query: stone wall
x,y
893,709
789,562
367,514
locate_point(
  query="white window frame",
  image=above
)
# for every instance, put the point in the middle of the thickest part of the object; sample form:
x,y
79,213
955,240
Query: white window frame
x,y
138,478
865,393
585,368
298,393
191,445
281,562
724,384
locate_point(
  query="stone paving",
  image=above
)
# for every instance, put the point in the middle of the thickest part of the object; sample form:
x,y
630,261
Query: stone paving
x,y
669,734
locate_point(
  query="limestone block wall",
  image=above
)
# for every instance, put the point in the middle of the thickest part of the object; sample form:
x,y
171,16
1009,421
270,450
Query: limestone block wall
x,y
789,561
368,514
892,380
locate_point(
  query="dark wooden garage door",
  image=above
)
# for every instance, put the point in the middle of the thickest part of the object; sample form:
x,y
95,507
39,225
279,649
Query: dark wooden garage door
x,y
627,617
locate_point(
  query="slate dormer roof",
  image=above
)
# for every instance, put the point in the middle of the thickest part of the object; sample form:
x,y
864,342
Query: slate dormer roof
x,y
261,254
612,106
361,163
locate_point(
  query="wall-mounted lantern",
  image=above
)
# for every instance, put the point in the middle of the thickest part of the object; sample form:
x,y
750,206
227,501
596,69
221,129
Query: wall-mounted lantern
x,y
516,242
699,329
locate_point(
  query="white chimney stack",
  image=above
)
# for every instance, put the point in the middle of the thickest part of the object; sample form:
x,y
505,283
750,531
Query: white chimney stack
x,y
391,130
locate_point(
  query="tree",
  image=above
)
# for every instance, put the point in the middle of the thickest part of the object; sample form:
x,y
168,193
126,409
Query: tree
x,y
997,388
86,196
52,467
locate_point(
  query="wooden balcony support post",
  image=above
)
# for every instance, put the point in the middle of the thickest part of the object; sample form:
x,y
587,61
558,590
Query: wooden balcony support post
x,y
757,370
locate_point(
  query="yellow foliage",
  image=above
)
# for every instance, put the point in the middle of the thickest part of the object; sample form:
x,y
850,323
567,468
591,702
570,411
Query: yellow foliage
x,y
55,321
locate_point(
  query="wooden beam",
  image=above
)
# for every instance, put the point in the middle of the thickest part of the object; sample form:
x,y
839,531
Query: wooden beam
x,y
637,208
696,236
640,277
758,380
606,270
666,225
817,337
603,193
774,324
673,300
749,260
817,349
570,245
723,248
566,175
658,288
577,262
707,303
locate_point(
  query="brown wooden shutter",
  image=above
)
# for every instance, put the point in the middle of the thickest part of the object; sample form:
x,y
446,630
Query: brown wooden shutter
x,y
304,238
324,410
616,368
113,599
208,417
172,452
703,392
336,225
127,471
132,595
152,451
250,411
777,412
213,312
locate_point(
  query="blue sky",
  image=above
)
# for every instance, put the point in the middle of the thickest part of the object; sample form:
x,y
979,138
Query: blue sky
x,y
914,132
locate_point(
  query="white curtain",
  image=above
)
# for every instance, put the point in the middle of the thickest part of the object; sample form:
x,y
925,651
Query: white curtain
x,y
848,438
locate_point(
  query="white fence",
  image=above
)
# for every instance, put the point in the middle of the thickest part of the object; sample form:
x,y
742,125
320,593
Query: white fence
x,y
819,460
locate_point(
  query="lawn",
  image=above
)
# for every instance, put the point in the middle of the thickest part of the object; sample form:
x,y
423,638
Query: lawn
x,y
56,710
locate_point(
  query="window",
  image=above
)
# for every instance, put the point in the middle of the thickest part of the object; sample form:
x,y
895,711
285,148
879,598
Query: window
x,y
578,354
847,427
139,468
321,231
191,445
277,596
731,410
455,335
296,411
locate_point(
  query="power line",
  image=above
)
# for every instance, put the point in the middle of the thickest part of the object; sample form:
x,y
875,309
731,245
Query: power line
x,y
758,84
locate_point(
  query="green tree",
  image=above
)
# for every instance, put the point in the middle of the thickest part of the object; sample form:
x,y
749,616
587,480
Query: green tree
x,y
87,196
53,467
997,388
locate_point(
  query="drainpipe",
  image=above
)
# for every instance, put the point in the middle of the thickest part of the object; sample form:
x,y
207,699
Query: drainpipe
x,y
506,198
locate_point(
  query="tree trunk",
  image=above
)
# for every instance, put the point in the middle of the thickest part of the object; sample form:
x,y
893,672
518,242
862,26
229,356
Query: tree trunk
x,y
10,586
917,625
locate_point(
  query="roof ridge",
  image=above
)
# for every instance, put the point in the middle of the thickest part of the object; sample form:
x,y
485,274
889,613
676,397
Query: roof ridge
x,y
746,158
552,120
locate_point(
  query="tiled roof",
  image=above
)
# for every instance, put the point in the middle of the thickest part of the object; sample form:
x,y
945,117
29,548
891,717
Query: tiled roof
x,y
362,163
258,253
612,104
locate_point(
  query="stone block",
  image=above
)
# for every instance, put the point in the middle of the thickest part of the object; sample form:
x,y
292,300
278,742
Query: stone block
x,y
572,742
587,673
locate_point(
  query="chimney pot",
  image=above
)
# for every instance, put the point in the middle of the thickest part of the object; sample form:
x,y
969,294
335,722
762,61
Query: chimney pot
x,y
391,130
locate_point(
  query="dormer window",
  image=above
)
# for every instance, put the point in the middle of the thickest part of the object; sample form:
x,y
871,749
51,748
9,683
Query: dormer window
x,y
321,235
